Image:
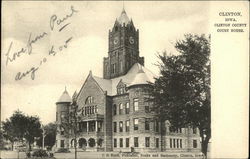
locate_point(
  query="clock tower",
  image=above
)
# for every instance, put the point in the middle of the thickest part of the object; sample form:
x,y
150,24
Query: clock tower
x,y
123,50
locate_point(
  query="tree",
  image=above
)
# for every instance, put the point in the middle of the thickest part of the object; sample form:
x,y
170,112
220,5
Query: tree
x,y
32,129
181,94
9,133
20,126
2,142
50,135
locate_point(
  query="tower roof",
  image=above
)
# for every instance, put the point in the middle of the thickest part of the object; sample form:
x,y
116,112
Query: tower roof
x,y
65,98
141,78
123,18
137,75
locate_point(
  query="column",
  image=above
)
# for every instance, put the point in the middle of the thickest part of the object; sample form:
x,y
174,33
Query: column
x,y
87,126
96,128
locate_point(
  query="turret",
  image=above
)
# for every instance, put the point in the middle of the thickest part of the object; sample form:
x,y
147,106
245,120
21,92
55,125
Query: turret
x,y
62,107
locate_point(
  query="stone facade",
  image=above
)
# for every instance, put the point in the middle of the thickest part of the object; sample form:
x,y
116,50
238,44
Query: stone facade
x,y
112,113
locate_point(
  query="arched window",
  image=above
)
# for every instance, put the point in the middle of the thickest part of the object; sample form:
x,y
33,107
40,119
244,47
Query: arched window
x,y
116,28
89,100
120,108
72,143
91,142
82,142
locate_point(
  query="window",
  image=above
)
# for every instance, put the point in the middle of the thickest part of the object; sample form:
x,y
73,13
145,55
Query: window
x,y
136,121
63,116
121,90
156,126
127,108
121,142
91,126
113,69
146,109
194,143
86,110
114,109
147,124
92,109
62,143
136,105
157,142
136,143
114,126
194,131
174,142
147,141
115,143
99,126
180,143
177,143
80,126
56,116
127,126
121,69
62,132
120,126
91,142
175,130
120,108
171,143
89,100
127,142
179,130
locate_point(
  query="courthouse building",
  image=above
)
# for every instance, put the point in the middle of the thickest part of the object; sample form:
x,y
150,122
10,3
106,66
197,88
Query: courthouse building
x,y
113,114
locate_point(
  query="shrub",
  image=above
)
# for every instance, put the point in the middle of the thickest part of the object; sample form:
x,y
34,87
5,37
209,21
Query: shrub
x,y
51,155
61,150
40,153
28,154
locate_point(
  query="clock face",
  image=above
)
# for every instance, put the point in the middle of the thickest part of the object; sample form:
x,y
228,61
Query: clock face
x,y
131,40
116,40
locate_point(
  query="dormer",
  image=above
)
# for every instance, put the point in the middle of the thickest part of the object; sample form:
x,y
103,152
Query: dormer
x,y
121,88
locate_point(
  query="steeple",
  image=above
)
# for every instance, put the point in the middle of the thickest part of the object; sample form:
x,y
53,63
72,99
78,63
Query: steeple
x,y
123,18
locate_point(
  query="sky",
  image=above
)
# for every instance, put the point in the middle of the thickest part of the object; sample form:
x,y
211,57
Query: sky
x,y
160,24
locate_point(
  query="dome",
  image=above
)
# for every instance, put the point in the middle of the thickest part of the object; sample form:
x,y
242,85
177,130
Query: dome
x,y
140,78
65,98
123,18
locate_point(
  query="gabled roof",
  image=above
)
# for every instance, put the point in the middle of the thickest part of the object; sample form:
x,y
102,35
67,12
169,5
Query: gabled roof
x,y
138,74
65,98
105,84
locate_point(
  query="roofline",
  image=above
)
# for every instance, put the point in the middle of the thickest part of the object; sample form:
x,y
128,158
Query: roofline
x,y
89,75
83,85
133,85
62,102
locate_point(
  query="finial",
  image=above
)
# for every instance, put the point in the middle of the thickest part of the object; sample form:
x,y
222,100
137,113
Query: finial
x,y
123,5
90,72
65,89
123,8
